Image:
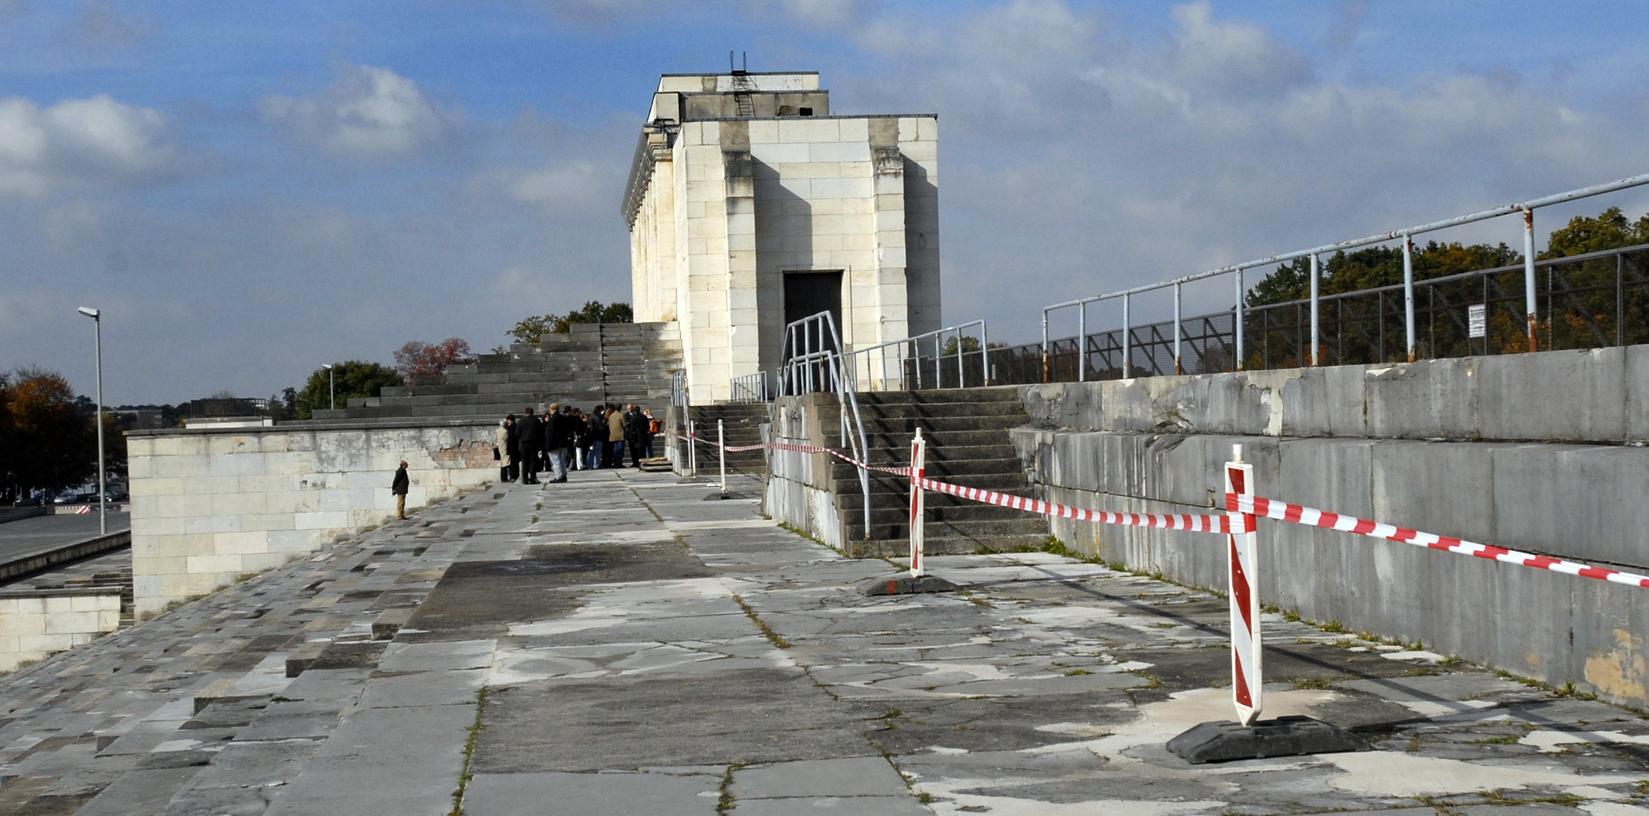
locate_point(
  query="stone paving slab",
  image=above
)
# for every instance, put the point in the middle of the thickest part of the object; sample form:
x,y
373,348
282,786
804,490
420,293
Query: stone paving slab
x,y
618,645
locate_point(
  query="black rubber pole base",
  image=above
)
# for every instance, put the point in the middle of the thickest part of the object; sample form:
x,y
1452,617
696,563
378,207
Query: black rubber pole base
x,y
903,584
1283,737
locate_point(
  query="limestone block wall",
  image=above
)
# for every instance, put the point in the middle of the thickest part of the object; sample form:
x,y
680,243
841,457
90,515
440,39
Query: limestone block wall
x,y
733,205
39,622
799,487
1541,452
211,506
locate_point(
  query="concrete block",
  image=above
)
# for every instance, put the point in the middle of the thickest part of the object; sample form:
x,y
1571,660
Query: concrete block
x,y
1554,396
1584,502
1430,399
1637,393
1441,487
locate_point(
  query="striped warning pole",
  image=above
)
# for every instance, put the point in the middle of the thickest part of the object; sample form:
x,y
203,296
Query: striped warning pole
x,y
1244,593
918,471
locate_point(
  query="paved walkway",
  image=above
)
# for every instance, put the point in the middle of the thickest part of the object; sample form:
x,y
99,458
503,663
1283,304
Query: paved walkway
x,y
620,645
31,535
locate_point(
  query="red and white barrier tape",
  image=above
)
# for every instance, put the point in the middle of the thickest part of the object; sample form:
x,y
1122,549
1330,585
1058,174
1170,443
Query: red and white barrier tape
x,y
1312,517
795,448
1167,521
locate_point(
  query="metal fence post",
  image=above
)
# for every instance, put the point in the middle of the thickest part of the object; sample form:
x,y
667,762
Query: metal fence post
x,y
1045,362
721,452
1408,297
1127,337
961,375
1530,308
1316,351
1178,367
1081,342
1237,275
985,355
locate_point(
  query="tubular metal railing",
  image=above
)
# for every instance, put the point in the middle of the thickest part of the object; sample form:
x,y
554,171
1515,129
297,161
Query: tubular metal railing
x,y
1530,313
750,387
871,362
1589,300
814,363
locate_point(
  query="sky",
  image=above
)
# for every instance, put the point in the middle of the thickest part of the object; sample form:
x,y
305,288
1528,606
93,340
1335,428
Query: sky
x,y
249,190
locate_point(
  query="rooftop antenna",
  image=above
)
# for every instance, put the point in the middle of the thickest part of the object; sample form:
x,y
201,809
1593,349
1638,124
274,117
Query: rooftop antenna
x,y
744,57
730,66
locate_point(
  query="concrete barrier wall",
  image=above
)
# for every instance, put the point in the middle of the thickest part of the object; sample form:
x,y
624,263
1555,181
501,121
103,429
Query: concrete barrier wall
x,y
1538,452
37,623
800,491
211,506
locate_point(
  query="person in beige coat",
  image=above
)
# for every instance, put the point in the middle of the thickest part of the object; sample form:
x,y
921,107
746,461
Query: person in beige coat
x,y
615,437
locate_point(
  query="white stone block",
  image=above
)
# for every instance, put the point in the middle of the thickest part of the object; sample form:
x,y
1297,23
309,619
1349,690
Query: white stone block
x,y
779,153
853,130
841,188
761,132
858,151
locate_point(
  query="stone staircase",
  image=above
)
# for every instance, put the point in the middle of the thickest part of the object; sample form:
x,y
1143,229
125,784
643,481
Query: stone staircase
x,y
741,425
967,444
593,363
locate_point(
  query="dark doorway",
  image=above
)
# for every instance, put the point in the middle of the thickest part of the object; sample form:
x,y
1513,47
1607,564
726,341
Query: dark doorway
x,y
809,293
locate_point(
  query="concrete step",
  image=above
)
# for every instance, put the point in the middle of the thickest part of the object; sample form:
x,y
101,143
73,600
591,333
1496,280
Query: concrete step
x,y
931,425
946,545
1006,393
1027,525
944,409
959,468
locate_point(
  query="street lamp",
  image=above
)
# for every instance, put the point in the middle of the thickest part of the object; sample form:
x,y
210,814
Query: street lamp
x,y
331,386
102,479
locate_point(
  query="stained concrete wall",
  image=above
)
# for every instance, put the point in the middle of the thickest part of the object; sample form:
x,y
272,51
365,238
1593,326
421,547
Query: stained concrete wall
x,y
1540,452
211,506
38,622
800,490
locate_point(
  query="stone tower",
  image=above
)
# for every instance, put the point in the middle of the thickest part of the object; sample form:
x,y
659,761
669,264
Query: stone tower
x,y
750,205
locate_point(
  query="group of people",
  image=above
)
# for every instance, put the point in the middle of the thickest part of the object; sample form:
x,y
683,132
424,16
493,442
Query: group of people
x,y
565,438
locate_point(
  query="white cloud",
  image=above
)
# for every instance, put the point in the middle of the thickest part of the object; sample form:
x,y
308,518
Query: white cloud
x,y
1133,156
95,141
369,112
575,182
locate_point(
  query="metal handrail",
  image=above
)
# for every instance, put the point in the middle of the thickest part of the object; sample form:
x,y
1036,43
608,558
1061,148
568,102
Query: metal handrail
x,y
813,362
1406,235
913,342
750,387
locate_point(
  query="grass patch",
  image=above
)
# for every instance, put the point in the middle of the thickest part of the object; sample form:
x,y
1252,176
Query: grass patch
x,y
1334,626
767,631
724,803
1505,739
1078,673
465,775
1303,683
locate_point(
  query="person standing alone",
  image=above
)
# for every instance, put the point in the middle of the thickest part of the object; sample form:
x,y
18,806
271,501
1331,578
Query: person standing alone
x,y
615,437
398,486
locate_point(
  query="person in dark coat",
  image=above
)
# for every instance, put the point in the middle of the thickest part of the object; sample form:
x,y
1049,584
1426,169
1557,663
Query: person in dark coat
x,y
530,433
581,439
558,441
398,486
635,434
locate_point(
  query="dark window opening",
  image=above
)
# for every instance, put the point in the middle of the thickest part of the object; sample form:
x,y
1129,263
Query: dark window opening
x,y
806,111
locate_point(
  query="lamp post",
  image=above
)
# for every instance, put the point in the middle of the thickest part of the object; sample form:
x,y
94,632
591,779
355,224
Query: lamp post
x,y
102,479
331,386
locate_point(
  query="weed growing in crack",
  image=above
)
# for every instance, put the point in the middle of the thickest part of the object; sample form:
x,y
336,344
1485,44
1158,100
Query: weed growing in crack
x,y
767,631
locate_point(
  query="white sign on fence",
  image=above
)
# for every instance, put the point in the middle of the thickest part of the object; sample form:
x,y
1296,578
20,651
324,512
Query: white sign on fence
x,y
1477,320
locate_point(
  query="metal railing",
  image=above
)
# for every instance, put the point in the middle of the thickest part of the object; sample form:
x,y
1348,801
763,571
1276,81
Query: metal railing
x,y
814,363
1530,314
1583,301
749,388
909,364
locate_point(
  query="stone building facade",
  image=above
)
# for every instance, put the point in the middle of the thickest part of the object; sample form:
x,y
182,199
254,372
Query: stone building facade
x,y
750,205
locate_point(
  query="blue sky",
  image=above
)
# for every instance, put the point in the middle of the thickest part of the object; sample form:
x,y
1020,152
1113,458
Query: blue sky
x,y
249,190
